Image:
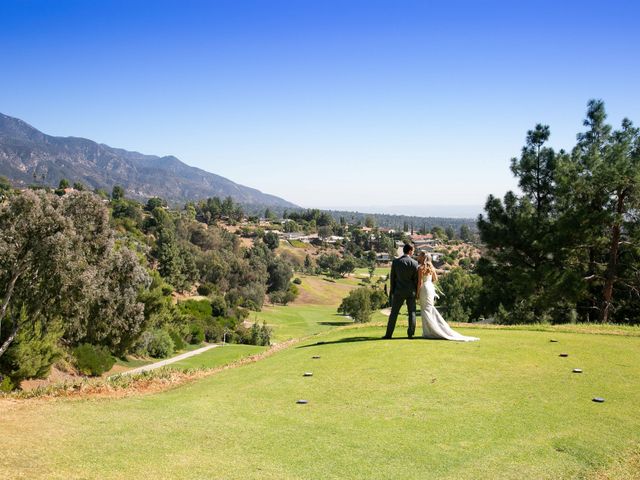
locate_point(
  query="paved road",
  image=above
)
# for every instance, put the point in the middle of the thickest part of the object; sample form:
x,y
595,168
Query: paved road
x,y
169,361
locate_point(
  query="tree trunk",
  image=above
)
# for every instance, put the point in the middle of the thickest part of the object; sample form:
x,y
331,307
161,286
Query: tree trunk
x,y
7,295
612,265
11,337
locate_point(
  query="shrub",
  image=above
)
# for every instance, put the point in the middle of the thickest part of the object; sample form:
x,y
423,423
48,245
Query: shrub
x,y
214,330
206,289
31,354
297,281
199,309
357,305
218,306
178,341
260,334
6,385
160,345
284,297
196,335
93,360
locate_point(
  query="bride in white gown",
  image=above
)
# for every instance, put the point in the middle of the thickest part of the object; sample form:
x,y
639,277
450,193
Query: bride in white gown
x,y
433,325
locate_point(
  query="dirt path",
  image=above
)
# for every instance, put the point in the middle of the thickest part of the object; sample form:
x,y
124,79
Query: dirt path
x,y
168,361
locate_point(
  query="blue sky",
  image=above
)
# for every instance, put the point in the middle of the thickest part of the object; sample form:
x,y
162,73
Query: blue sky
x,y
325,103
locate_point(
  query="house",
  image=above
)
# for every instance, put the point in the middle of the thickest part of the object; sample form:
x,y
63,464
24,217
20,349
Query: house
x,y
334,239
383,257
424,242
421,238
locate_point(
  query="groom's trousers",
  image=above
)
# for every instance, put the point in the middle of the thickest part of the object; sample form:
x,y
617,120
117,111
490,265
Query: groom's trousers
x,y
397,300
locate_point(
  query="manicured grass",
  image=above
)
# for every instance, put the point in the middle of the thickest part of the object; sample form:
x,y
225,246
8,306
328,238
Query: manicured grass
x,y
218,356
320,290
379,272
298,244
507,407
296,321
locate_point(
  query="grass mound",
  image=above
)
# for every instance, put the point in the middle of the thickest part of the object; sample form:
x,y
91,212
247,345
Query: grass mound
x,y
505,407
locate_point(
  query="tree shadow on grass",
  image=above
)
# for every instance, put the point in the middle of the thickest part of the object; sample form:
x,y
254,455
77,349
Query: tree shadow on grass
x,y
344,320
350,340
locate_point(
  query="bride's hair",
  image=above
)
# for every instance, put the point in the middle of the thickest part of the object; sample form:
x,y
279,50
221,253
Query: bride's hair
x,y
427,267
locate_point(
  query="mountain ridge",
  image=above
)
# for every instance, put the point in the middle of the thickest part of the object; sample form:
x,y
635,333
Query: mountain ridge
x,y
28,155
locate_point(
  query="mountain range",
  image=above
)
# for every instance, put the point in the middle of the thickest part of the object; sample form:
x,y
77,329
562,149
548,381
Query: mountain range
x,y
28,156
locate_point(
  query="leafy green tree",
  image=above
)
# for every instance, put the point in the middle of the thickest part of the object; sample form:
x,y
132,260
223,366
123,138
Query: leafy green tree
x,y
280,274
325,232
58,260
291,226
117,193
357,305
450,232
439,233
308,264
329,263
347,266
32,353
5,188
369,222
565,249
465,233
600,187
462,295
153,203
272,240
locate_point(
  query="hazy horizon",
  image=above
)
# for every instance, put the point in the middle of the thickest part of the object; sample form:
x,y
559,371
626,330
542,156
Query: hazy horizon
x,y
445,211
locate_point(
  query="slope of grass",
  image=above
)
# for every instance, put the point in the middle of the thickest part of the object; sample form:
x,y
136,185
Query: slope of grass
x,y
296,321
218,356
505,407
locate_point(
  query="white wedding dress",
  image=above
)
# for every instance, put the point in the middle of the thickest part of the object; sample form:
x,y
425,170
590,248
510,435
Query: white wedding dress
x,y
433,325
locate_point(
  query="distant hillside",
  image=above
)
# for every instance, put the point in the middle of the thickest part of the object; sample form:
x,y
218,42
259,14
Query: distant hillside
x,y
28,155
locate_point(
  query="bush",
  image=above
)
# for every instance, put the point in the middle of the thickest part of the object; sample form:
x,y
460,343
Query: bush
x,y
196,336
160,345
198,309
297,281
6,385
93,360
284,297
358,305
218,306
260,334
31,354
178,341
206,289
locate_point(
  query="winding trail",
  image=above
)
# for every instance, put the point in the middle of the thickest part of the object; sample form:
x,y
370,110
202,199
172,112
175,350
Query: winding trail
x,y
169,361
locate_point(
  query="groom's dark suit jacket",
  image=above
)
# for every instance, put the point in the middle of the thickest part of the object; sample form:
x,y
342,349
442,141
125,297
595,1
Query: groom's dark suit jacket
x,y
404,276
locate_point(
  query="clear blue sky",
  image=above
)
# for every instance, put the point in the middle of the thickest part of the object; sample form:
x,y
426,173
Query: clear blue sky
x,y
325,103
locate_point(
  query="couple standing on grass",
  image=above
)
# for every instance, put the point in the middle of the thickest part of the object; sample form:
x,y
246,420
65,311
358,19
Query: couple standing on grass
x,y
411,280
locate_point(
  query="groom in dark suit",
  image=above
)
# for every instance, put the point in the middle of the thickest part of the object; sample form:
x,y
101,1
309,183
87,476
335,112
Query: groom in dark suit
x,y
404,283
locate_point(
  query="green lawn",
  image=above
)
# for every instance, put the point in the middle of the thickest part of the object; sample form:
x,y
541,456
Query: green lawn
x,y
379,271
507,407
296,321
218,356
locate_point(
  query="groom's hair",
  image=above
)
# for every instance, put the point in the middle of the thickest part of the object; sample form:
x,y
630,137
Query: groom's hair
x,y
407,249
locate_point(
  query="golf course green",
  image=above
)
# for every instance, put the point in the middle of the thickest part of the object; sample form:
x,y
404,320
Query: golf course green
x,y
505,407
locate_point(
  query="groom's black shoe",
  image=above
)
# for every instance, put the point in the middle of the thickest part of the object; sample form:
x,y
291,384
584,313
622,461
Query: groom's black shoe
x,y
385,338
